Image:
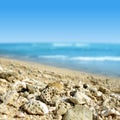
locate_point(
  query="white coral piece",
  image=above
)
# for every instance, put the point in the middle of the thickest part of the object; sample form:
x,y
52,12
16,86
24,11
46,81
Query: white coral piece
x,y
44,107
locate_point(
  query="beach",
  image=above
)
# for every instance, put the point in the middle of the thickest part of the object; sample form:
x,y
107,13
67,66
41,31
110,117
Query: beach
x,y
103,59
33,91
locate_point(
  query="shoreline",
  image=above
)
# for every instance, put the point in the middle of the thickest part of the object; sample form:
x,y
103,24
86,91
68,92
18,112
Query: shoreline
x,y
65,69
23,82
84,76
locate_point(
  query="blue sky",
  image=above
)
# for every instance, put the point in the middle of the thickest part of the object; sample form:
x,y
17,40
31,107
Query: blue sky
x,y
59,20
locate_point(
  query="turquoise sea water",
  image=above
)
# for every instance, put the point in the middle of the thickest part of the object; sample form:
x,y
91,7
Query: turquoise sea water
x,y
95,58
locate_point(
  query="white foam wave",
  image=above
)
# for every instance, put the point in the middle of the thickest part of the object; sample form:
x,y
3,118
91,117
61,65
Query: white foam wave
x,y
82,58
70,45
106,58
81,45
54,56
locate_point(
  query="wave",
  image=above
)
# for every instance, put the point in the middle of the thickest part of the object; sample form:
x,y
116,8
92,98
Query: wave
x,y
70,45
54,56
81,45
105,58
81,58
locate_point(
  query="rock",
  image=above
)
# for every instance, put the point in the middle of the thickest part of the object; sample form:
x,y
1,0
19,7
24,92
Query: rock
x,y
110,112
117,96
28,81
57,85
1,69
41,85
3,82
49,96
31,96
21,100
111,102
62,108
95,93
106,102
33,89
18,86
74,101
34,85
4,85
51,109
57,117
98,94
34,107
103,90
78,112
4,109
20,115
92,90
95,112
24,93
68,84
10,98
3,117
10,76
82,98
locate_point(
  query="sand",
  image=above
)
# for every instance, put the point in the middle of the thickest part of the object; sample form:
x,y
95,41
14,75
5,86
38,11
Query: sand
x,y
47,75
112,83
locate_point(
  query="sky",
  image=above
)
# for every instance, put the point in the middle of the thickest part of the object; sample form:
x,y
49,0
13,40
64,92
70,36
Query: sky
x,y
60,21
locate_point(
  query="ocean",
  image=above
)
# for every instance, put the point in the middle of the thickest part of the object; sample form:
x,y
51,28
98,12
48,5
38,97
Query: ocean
x,y
95,58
